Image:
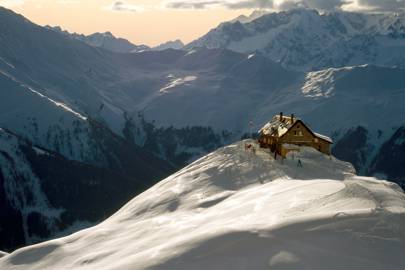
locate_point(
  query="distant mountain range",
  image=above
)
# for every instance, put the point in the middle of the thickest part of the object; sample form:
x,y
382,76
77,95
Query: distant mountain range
x,y
109,42
175,44
306,40
84,128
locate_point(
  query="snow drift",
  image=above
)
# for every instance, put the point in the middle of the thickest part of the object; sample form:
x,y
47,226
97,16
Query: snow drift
x,y
235,210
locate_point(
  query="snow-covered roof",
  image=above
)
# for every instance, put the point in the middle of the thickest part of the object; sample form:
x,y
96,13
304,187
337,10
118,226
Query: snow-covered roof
x,y
323,137
277,127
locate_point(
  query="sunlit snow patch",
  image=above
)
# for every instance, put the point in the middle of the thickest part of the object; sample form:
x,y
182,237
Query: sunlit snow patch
x,y
191,52
39,151
319,84
177,82
58,104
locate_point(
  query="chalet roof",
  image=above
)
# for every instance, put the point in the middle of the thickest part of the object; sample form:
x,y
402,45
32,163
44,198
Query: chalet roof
x,y
323,137
279,126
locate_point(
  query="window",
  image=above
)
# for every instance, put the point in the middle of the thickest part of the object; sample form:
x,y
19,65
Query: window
x,y
316,140
298,133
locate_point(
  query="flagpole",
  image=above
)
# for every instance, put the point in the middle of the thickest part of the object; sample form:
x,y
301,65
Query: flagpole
x,y
251,128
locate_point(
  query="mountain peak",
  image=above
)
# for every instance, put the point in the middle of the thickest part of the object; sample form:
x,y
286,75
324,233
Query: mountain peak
x,y
108,34
253,16
174,44
104,40
306,40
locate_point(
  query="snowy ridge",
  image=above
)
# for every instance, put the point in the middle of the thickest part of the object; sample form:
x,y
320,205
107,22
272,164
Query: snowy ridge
x,y
44,121
173,44
253,16
235,210
103,40
306,40
58,104
119,45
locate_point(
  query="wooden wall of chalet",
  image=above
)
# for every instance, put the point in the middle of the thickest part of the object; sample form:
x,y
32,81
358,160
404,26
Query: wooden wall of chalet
x,y
267,141
300,135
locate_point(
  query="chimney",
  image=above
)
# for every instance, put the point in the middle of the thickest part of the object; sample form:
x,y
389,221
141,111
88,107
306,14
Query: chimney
x,y
281,116
292,118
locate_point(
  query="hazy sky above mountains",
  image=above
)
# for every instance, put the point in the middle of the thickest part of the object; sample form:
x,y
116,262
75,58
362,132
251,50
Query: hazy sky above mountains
x,y
155,21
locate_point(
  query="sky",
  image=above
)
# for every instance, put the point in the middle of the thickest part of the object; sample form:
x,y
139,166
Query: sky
x,y
152,22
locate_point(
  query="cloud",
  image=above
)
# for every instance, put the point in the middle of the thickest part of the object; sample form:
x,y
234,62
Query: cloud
x,y
313,4
325,5
230,4
255,4
382,5
124,7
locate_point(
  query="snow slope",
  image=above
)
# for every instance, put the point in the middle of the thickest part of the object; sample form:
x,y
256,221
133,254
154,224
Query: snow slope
x,y
41,86
42,120
306,40
91,105
235,210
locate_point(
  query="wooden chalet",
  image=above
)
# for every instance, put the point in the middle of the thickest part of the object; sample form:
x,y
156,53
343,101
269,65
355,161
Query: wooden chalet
x,y
284,133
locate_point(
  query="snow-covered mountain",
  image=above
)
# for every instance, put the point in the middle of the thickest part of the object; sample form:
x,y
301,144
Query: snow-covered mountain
x,y
109,42
304,39
235,210
174,44
49,147
253,16
104,40
96,110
